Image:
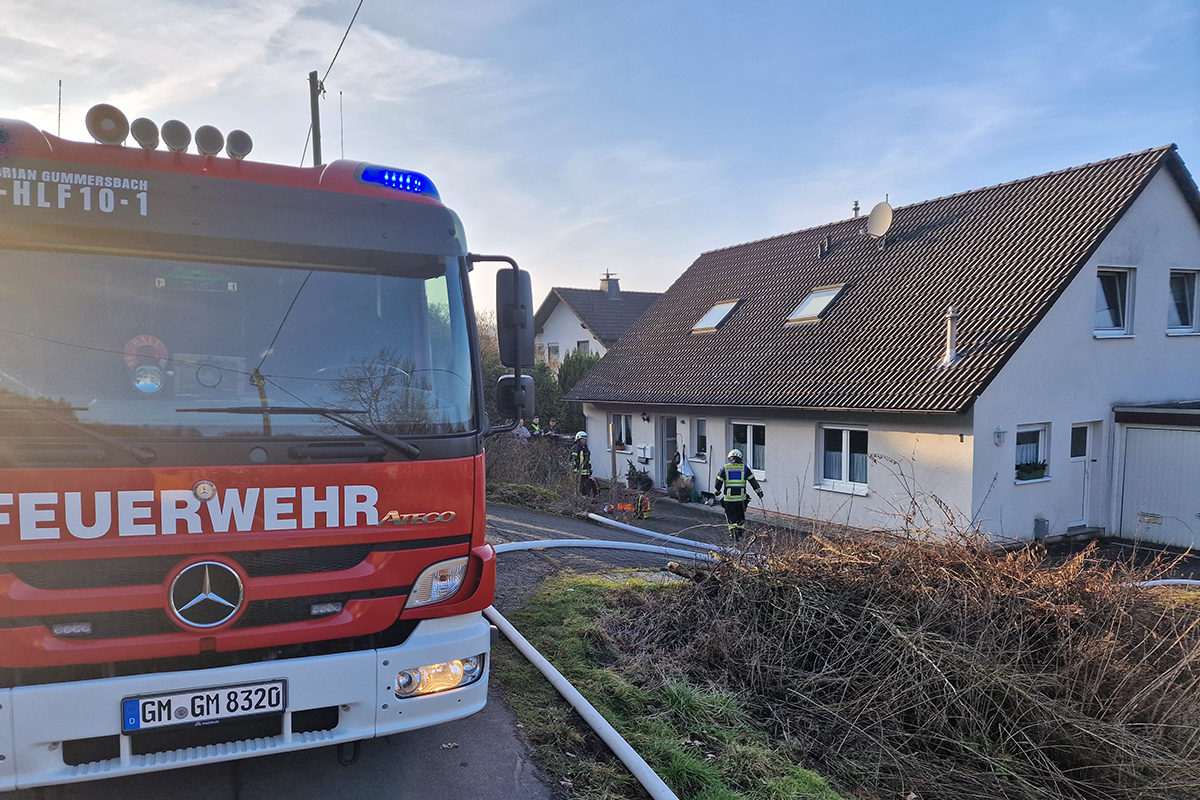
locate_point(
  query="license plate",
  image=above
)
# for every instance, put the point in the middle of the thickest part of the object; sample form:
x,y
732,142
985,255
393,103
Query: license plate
x,y
203,706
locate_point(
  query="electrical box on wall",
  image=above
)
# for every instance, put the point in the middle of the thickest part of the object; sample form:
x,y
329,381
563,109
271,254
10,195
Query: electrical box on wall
x,y
645,452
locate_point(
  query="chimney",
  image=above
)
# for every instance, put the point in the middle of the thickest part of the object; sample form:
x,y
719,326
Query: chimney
x,y
952,318
609,283
856,209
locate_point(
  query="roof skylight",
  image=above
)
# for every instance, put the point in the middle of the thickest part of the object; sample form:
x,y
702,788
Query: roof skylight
x,y
813,306
715,316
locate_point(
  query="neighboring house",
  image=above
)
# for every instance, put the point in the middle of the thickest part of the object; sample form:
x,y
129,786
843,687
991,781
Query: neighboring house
x,y
591,320
996,349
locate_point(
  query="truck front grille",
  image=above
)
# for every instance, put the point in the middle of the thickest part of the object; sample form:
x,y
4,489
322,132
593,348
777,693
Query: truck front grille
x,y
148,570
154,621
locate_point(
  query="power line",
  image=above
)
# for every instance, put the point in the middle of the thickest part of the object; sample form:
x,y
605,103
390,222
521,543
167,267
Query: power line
x,y
347,33
271,347
328,70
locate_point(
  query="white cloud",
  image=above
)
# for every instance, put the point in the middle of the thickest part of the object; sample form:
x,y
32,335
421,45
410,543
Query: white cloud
x,y
531,173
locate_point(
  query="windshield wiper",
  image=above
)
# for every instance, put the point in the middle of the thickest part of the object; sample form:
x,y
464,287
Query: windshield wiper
x,y
334,414
141,454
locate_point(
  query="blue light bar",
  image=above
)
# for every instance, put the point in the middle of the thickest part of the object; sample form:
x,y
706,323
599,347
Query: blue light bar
x,y
405,181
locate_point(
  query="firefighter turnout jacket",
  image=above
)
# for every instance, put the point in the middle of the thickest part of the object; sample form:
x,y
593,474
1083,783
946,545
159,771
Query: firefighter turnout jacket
x,y
734,476
581,459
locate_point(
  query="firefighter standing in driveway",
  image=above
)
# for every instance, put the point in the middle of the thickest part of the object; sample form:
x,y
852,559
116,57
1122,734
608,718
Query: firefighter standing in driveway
x,y
581,465
734,476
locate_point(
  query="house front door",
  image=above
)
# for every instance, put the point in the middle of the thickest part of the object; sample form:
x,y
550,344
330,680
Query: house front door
x,y
668,446
1079,472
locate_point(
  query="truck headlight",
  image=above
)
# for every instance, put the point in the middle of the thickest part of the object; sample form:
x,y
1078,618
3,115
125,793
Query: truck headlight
x,y
438,677
438,583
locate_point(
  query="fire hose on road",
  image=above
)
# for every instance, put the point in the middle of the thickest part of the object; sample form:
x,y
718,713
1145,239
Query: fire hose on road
x,y
649,779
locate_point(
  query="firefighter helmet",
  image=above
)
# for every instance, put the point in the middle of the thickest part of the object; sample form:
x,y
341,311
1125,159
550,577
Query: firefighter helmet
x,y
581,435
734,455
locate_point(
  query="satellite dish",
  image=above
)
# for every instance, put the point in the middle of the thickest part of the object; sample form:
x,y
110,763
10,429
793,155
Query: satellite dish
x,y
879,221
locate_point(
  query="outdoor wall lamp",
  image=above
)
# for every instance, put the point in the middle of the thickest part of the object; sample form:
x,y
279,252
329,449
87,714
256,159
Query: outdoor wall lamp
x,y
645,417
998,436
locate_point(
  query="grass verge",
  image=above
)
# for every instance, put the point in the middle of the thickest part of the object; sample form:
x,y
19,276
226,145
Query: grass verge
x,y
699,739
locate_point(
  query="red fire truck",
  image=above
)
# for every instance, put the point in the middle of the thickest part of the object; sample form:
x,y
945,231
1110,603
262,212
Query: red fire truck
x,y
241,453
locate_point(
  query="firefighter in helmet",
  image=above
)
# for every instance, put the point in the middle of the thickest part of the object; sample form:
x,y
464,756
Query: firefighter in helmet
x,y
733,477
581,465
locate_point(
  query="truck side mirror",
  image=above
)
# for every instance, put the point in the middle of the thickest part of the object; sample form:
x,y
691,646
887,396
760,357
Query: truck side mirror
x,y
513,400
514,318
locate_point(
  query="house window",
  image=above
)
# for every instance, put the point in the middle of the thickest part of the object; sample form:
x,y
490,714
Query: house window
x,y
539,352
844,458
700,445
1114,288
715,316
1033,448
1079,441
813,306
582,347
622,431
751,439
552,354
1181,311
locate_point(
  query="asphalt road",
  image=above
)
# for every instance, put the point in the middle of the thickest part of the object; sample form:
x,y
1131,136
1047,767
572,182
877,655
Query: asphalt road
x,y
482,757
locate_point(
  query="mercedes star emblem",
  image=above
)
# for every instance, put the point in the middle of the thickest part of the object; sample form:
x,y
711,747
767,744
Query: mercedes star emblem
x,y
204,490
206,594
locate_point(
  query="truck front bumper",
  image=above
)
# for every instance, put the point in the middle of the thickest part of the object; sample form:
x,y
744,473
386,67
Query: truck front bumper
x,y
38,723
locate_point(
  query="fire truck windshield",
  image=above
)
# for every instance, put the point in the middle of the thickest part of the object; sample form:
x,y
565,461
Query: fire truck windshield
x,y
127,346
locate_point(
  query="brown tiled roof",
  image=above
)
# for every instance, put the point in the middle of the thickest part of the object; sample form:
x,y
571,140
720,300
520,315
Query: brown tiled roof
x,y
606,317
1002,255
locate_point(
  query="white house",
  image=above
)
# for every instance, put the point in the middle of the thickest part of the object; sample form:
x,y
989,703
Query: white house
x,y
590,320
1049,321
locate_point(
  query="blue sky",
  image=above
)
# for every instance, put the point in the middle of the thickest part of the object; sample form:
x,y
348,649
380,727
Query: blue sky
x,y
632,136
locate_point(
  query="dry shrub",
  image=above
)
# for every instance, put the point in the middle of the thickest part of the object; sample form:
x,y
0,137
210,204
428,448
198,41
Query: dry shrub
x,y
536,474
952,671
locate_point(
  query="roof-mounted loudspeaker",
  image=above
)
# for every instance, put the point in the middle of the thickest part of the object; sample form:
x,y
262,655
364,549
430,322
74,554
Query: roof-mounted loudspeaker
x,y
209,140
238,144
107,124
176,136
145,133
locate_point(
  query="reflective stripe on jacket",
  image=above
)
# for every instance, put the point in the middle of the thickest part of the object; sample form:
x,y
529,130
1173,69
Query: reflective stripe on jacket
x,y
735,481
581,461
734,477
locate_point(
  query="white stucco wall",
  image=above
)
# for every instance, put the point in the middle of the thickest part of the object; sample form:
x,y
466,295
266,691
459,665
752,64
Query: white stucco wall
x,y
565,329
916,458
1064,374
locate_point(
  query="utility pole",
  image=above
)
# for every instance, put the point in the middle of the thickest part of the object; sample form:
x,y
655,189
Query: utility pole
x,y
314,92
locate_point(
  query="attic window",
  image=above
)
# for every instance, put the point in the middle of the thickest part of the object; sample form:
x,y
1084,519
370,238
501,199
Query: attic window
x,y
715,316
813,306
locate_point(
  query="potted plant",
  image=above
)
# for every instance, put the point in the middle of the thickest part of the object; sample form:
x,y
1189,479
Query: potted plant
x,y
638,479
682,488
672,473
1031,470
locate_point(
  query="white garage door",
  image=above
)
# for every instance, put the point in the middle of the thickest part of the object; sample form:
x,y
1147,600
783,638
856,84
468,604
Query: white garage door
x,y
1160,500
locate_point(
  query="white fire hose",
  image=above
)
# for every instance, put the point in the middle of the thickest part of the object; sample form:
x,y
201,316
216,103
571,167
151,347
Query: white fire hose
x,y
637,765
653,784
662,536
607,733
604,544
